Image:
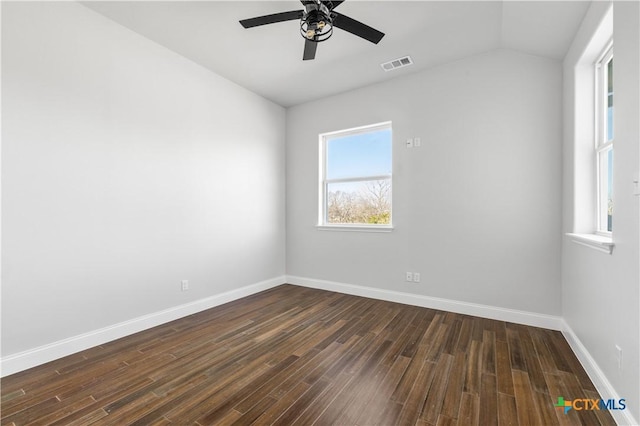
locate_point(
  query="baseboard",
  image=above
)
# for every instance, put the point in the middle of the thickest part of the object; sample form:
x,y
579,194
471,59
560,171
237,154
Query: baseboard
x,y
475,309
597,376
21,361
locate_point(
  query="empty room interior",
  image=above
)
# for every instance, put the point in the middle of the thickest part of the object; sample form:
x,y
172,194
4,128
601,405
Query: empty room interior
x,y
320,212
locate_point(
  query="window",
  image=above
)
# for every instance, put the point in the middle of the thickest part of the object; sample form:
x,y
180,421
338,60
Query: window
x,y
604,141
355,178
591,119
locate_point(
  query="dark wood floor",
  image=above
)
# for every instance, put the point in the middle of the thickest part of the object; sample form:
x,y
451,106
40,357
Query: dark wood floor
x,y
294,355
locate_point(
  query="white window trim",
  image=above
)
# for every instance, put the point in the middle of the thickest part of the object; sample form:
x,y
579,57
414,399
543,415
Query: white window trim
x,y
599,241
355,228
594,241
322,192
601,143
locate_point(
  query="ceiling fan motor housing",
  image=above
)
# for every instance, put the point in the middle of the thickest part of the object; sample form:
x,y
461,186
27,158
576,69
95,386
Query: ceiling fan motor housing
x,y
316,23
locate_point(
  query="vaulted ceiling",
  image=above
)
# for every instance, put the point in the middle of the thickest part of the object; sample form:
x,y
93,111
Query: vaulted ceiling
x,y
268,59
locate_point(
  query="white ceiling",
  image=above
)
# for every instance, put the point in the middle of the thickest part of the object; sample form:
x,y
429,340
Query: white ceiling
x,y
268,59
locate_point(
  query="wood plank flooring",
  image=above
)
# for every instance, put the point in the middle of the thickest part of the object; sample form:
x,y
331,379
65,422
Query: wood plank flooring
x,y
299,356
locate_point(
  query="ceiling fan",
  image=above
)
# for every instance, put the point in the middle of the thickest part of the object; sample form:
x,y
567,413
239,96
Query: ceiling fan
x,y
316,24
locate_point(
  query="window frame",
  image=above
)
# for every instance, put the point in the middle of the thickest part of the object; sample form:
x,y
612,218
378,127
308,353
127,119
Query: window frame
x,y
584,139
602,144
324,183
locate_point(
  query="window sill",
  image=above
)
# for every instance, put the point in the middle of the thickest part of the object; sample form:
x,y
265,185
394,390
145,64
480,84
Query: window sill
x,y
596,242
354,228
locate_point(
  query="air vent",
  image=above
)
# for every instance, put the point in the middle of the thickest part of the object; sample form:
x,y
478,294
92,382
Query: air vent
x,y
397,63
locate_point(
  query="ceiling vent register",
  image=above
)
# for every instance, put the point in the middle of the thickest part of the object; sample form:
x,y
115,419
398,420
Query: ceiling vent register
x,y
397,63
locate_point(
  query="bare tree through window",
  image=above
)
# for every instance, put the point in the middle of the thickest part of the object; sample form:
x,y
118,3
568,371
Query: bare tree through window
x,y
370,204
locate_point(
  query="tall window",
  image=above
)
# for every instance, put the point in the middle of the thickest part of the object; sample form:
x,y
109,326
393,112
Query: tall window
x,y
355,177
604,140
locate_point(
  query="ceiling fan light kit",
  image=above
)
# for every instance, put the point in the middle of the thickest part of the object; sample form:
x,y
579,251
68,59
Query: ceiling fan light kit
x,y
317,21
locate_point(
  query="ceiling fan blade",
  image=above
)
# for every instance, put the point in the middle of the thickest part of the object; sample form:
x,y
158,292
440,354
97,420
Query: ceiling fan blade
x,y
309,50
331,4
356,27
334,3
271,19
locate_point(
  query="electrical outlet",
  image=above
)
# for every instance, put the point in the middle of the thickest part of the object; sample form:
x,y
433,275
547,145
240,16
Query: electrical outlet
x,y
409,276
417,142
416,277
184,285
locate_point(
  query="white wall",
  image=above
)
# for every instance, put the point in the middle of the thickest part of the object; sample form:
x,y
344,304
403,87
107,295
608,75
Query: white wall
x,y
600,294
476,208
125,169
